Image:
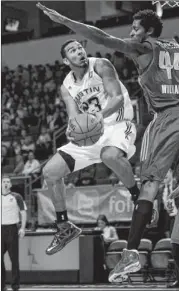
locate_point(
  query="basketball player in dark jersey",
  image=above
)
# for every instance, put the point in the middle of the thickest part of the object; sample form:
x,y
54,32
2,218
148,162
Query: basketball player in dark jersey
x,y
157,62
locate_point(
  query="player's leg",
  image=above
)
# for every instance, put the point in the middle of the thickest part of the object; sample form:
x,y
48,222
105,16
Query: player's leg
x,y
68,158
60,165
13,250
175,252
163,148
4,236
116,151
115,159
53,172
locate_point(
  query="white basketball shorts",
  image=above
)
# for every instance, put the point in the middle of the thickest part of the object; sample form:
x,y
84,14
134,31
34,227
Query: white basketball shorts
x,y
121,135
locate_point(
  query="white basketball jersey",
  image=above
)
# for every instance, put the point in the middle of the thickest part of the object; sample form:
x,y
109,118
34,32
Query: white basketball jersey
x,y
90,95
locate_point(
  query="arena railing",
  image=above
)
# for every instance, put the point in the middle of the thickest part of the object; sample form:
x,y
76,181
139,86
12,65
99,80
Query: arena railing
x,y
58,133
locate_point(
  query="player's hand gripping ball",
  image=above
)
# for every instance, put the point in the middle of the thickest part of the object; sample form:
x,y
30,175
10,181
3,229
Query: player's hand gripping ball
x,y
85,129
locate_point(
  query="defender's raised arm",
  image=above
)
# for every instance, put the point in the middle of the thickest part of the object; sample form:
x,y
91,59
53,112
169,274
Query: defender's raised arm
x,y
98,36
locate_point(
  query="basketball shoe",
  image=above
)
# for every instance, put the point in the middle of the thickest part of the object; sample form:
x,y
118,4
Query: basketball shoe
x,y
129,263
66,232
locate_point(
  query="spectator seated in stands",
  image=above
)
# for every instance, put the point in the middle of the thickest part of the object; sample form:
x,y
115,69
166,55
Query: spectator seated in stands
x,y
44,136
3,155
86,177
32,166
16,148
24,134
16,126
30,119
6,124
109,232
28,146
43,145
113,178
19,165
43,112
56,120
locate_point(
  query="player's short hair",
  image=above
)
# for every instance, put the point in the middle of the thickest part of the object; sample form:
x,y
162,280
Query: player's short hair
x,y
149,19
63,53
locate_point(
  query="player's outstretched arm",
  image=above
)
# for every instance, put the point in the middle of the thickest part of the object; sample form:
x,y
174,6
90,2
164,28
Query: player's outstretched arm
x,y
112,86
71,106
97,35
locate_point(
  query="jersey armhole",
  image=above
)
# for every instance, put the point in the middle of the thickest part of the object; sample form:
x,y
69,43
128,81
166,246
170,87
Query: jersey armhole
x,y
149,42
141,73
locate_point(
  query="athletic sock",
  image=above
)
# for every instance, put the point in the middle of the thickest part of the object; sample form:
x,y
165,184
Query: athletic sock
x,y
134,192
62,216
141,216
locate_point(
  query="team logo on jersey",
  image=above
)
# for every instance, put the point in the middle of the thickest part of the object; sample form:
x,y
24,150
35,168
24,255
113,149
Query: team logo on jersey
x,y
84,93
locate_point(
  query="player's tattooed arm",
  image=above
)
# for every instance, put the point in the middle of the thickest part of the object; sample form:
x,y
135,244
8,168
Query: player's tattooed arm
x,y
111,83
71,106
127,46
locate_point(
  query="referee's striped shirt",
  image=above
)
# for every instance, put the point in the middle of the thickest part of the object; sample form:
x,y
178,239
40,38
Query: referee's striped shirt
x,y
12,204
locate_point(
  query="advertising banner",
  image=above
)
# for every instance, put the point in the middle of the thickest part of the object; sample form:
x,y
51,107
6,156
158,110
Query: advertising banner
x,y
84,204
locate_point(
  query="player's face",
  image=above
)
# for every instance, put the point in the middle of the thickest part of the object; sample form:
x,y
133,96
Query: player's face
x,y
138,31
75,55
6,185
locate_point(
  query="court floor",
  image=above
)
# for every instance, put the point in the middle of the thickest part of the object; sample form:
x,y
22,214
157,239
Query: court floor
x,y
102,287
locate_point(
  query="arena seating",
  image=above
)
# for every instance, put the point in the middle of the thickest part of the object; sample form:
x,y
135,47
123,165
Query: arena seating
x,y
161,259
157,264
114,252
145,249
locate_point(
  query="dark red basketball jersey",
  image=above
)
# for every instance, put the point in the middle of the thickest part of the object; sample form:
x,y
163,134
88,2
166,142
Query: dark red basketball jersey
x,y
160,80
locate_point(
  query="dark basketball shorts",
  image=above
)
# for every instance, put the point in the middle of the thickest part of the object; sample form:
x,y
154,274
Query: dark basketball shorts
x,y
163,145
175,231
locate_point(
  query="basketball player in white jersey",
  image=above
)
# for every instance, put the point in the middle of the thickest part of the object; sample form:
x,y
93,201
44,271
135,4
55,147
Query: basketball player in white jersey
x,y
91,86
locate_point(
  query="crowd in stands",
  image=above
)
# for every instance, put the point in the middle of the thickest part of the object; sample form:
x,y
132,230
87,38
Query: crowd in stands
x,y
32,108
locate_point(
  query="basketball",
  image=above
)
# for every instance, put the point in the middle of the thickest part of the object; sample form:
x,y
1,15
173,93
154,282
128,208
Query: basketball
x,y
86,129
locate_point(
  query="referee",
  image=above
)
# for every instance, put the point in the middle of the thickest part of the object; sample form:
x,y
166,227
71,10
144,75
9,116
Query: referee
x,y
12,206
